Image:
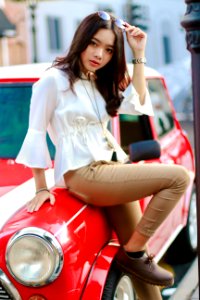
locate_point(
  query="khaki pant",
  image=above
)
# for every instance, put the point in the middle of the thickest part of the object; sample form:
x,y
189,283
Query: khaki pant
x,y
116,186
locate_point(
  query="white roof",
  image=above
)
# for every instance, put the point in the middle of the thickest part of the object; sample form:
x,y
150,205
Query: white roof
x,y
23,71
36,70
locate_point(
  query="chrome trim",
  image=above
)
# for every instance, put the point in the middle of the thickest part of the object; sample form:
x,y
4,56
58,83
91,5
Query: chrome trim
x,y
9,287
50,240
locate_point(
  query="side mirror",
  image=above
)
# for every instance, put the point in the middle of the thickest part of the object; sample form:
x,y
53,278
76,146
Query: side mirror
x,y
144,150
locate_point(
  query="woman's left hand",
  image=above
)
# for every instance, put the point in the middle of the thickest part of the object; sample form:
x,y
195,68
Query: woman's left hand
x,y
136,39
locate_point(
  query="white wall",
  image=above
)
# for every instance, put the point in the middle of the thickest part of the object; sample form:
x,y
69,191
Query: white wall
x,y
70,12
171,13
160,12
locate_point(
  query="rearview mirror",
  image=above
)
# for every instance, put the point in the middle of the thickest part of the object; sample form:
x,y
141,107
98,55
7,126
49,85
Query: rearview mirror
x,y
143,150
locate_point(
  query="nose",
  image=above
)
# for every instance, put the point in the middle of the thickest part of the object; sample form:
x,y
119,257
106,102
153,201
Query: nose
x,y
99,53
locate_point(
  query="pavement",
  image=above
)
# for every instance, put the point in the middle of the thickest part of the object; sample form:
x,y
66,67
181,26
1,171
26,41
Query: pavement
x,y
188,288
195,295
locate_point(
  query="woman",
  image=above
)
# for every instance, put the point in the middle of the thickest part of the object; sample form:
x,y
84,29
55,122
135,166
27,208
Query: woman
x,y
75,100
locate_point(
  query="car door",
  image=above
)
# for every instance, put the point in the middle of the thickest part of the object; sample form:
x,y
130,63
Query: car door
x,y
175,149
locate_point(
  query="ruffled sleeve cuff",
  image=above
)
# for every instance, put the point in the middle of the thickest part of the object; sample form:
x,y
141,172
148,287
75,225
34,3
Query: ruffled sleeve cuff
x,y
34,152
131,103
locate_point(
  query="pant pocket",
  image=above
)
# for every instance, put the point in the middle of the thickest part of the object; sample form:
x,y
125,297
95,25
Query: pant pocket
x,y
95,167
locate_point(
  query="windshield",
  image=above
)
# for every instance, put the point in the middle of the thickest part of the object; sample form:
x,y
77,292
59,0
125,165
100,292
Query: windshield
x,y
14,103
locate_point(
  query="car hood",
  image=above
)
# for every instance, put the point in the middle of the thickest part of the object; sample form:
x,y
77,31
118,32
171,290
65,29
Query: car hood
x,y
16,198
82,231
12,175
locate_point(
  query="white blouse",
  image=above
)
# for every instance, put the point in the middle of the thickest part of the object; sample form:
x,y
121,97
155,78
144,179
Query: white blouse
x,y
73,124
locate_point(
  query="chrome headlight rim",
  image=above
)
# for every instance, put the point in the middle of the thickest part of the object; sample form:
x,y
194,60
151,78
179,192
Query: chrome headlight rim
x,y
50,241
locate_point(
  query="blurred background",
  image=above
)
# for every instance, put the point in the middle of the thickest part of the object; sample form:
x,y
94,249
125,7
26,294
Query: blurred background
x,y
39,30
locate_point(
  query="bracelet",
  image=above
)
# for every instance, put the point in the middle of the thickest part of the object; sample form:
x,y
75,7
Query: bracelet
x,y
41,190
141,60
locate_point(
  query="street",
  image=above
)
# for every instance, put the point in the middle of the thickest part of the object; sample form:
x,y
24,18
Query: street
x,y
185,281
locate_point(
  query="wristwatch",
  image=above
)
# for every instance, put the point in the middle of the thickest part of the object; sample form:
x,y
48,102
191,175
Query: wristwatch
x,y
141,60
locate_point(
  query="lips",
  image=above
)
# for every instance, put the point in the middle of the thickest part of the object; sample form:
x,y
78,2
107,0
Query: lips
x,y
94,63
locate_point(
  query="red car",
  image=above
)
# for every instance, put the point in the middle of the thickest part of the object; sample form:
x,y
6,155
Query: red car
x,y
67,251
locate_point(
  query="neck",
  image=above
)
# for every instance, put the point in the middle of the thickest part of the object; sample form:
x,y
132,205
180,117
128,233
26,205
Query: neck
x,y
91,75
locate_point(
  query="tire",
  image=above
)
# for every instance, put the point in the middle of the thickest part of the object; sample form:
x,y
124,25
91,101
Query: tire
x,y
184,248
118,286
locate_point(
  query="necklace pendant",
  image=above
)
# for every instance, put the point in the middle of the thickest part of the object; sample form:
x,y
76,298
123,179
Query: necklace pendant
x,y
107,140
110,145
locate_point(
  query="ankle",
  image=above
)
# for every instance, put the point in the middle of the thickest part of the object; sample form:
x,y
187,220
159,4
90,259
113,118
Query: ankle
x,y
132,248
137,242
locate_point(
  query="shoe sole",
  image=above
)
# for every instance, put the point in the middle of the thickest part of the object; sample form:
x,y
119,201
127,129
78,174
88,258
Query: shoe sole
x,y
161,284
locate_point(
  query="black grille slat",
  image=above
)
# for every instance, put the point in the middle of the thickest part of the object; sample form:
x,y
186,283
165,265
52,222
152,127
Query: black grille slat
x,y
4,295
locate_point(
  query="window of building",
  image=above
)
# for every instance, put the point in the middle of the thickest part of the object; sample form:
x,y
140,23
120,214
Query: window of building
x,y
167,49
166,42
54,33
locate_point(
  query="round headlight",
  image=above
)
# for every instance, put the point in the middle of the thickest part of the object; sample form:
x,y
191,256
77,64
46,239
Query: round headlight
x,y
34,257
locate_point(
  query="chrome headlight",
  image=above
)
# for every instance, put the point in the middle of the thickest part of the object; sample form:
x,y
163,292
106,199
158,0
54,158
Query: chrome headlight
x,y
34,257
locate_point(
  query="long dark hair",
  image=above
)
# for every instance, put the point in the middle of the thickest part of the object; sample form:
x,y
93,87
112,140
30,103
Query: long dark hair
x,y
115,71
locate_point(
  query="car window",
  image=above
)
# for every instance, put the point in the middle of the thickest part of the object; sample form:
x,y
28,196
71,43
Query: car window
x,y
14,103
163,118
133,128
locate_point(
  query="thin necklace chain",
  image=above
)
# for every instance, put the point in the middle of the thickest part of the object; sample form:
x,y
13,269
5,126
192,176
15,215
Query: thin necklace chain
x,y
94,105
96,110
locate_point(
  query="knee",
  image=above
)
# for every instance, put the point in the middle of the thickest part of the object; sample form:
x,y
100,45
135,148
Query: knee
x,y
182,178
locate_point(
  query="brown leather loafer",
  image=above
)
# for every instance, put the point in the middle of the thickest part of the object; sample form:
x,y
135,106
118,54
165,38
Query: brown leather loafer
x,y
144,268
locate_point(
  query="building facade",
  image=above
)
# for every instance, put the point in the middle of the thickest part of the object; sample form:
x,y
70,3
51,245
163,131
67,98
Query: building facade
x,y
14,49
45,30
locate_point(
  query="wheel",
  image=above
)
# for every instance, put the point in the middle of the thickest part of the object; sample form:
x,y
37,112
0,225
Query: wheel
x,y
184,248
191,228
118,286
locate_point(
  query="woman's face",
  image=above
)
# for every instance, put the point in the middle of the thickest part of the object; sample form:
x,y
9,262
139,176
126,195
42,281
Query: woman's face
x,y
99,52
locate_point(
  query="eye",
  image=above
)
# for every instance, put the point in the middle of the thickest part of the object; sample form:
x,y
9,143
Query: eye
x,y
109,50
93,43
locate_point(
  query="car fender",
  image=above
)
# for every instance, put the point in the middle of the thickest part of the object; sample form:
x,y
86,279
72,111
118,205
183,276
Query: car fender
x,y
97,278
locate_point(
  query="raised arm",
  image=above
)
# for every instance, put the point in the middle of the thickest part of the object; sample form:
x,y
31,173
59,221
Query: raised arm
x,y
137,41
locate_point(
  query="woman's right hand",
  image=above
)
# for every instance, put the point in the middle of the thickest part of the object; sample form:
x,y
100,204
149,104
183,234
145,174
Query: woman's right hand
x,y
38,201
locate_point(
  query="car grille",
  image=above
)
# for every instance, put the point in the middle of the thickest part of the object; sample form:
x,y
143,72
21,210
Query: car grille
x,y
4,295
7,289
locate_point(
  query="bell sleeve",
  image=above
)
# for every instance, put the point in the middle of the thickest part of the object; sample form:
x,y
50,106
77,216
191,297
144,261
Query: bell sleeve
x,y
34,152
131,103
